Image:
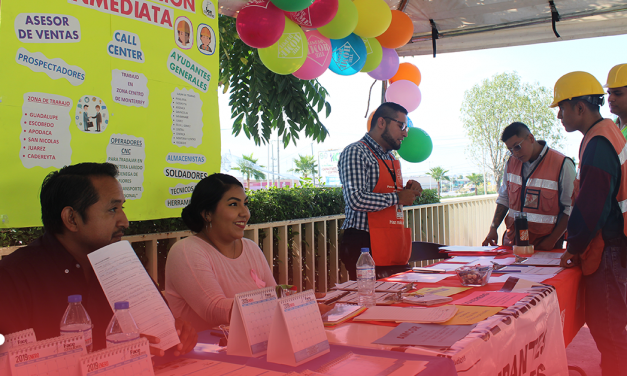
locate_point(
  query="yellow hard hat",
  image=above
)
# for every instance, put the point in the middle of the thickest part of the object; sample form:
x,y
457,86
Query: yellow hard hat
x,y
575,84
617,77
205,31
183,26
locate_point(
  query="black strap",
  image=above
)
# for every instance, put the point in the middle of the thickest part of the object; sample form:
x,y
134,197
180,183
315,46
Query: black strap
x,y
391,171
555,17
434,34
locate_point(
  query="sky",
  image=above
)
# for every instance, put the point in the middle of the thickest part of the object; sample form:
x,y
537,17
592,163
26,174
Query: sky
x,y
445,78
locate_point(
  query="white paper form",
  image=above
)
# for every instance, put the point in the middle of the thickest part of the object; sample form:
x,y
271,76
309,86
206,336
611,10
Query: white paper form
x,y
419,277
466,259
123,278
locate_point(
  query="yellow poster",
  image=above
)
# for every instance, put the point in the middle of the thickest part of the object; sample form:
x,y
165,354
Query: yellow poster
x,y
131,82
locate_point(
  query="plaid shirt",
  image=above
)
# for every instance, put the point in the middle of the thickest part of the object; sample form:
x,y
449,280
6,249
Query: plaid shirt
x,y
359,173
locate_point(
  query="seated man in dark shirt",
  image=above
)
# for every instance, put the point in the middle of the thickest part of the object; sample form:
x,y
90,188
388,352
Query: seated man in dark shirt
x,y
81,210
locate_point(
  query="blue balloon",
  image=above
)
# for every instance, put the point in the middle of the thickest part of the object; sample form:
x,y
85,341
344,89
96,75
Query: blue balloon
x,y
348,55
410,124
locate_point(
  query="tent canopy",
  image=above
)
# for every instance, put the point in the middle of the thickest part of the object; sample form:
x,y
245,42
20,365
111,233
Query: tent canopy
x,y
465,25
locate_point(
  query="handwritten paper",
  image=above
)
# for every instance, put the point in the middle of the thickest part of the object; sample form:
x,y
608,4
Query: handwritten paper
x,y
490,299
408,334
468,315
124,278
405,314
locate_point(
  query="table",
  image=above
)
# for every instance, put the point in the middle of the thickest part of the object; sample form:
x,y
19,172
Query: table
x,y
521,340
437,366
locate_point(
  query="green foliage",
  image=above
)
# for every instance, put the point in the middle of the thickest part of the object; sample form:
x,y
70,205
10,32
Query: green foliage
x,y
476,179
266,205
248,167
493,104
438,174
429,196
261,101
305,165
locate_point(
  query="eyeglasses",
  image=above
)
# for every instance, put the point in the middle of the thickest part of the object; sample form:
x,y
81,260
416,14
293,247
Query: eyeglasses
x,y
400,123
517,147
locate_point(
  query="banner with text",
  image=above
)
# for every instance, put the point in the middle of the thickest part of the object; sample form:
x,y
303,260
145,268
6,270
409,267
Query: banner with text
x,y
131,82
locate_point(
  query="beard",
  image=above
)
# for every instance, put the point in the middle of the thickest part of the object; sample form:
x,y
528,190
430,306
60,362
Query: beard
x,y
394,144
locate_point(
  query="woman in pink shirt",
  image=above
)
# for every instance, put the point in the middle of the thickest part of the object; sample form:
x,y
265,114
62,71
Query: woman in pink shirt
x,y
203,272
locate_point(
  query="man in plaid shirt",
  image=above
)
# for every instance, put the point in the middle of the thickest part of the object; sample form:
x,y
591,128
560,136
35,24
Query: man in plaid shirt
x,y
373,186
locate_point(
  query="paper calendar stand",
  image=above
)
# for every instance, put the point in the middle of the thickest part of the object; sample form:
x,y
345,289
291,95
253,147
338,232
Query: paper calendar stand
x,y
251,319
127,359
53,356
11,341
297,333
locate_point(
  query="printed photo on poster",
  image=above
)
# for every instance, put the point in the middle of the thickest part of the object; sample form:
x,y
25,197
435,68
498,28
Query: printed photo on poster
x,y
92,115
183,32
208,9
206,40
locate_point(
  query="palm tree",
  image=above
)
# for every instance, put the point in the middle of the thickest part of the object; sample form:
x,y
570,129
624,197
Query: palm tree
x,y
476,179
438,174
248,167
305,165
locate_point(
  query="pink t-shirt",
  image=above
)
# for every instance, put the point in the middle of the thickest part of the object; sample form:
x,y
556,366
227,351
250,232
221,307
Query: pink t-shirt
x,y
200,282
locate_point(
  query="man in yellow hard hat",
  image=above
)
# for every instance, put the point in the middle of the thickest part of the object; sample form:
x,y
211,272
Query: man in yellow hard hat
x,y
617,91
597,227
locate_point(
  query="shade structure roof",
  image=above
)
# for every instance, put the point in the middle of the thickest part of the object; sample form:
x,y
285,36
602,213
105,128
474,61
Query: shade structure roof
x,y
465,25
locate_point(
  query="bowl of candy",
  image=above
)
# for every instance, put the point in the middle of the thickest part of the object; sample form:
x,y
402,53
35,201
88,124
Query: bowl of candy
x,y
474,276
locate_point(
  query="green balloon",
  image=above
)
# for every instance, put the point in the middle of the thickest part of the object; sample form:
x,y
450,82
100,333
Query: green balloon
x,y
292,5
288,54
417,146
375,54
344,22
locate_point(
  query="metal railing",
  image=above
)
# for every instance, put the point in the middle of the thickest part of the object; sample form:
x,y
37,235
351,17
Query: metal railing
x,y
305,252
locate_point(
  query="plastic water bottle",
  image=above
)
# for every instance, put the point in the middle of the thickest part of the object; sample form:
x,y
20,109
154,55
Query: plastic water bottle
x,y
76,320
122,327
365,279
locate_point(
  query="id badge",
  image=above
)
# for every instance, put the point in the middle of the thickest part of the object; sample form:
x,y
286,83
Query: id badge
x,y
532,198
399,211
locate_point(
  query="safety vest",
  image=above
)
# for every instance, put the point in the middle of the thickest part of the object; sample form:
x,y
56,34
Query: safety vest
x,y
538,195
591,257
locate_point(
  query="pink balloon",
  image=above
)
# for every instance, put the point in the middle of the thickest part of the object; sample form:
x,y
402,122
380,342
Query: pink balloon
x,y
260,23
318,58
388,66
405,93
320,13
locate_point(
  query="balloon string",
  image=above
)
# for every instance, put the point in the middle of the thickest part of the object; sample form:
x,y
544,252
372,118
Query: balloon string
x,y
369,95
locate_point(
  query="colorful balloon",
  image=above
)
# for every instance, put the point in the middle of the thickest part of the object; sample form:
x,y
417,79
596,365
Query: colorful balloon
x,y
410,123
417,146
260,24
318,14
288,54
348,55
374,54
374,17
292,5
409,72
405,93
388,67
318,57
344,22
400,31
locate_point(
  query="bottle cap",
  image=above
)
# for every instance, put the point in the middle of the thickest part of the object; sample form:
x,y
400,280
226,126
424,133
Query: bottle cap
x,y
365,250
74,298
120,305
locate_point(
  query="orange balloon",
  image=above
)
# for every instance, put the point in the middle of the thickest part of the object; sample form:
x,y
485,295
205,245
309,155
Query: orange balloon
x,y
369,123
407,71
399,33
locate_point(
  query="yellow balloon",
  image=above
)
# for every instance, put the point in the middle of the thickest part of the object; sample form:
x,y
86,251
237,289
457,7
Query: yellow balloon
x,y
375,17
344,22
288,54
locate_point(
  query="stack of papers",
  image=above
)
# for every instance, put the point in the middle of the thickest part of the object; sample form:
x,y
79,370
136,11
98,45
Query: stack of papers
x,y
408,334
467,250
341,313
379,286
408,314
491,299
426,299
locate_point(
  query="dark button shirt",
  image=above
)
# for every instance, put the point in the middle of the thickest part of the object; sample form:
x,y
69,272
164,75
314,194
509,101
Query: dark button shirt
x,y
596,207
35,282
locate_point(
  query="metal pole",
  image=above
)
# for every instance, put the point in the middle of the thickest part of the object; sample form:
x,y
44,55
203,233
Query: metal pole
x,y
278,170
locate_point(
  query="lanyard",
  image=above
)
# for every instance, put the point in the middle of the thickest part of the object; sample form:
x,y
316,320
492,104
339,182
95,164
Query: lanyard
x,y
391,171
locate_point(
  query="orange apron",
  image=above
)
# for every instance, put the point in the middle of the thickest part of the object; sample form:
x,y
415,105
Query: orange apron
x,y
390,241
